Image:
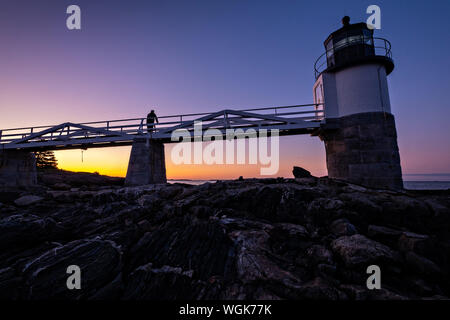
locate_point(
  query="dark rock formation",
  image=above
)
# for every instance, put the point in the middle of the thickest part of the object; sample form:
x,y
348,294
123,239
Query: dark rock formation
x,y
359,250
45,277
299,172
252,239
64,180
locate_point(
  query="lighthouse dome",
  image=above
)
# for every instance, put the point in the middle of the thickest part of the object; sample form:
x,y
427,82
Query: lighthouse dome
x,y
353,44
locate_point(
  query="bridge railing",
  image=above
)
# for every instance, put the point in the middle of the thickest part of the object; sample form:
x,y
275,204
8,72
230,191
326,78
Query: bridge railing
x,y
138,126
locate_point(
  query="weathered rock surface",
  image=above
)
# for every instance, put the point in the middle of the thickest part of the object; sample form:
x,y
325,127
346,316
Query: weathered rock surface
x,y
45,277
27,200
299,172
61,179
304,238
342,227
359,250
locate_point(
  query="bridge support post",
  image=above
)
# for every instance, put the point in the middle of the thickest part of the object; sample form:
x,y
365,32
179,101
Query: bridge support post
x,y
362,149
17,168
147,163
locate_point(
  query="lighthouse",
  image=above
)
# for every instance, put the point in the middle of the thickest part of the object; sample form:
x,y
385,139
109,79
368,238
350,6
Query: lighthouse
x,y
351,90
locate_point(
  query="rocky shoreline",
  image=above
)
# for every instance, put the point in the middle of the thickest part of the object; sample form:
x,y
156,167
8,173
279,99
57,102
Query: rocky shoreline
x,y
304,238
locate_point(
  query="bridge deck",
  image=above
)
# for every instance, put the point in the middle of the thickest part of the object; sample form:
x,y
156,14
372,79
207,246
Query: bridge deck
x,y
289,120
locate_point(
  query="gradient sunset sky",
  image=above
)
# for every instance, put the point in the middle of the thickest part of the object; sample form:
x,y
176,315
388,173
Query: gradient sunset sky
x,y
200,56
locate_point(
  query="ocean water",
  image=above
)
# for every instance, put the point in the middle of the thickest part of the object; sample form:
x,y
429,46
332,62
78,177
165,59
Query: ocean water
x,y
187,181
440,181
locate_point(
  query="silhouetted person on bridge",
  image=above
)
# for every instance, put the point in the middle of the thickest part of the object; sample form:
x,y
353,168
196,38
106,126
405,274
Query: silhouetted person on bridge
x,y
151,117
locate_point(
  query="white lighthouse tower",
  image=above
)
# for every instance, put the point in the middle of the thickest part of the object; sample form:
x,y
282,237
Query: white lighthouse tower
x,y
359,130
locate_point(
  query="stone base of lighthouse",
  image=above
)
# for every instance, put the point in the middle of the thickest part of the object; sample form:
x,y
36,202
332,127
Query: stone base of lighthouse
x,y
147,163
362,149
17,168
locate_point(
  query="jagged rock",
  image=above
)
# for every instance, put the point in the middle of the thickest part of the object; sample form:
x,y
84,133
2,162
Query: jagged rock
x,y
7,196
19,230
199,245
262,294
384,294
148,200
261,202
421,287
9,284
46,275
422,264
342,227
251,239
299,172
319,254
78,179
410,241
408,212
384,235
436,297
244,224
359,202
289,235
61,186
327,270
355,292
321,210
359,250
326,204
103,196
252,262
315,289
145,225
27,200
111,291
164,283
440,211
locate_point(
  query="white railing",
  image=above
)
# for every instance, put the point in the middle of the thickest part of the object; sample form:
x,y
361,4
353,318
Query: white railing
x,y
125,129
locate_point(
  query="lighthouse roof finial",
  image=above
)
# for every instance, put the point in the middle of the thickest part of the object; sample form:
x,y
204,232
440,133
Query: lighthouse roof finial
x,y
345,21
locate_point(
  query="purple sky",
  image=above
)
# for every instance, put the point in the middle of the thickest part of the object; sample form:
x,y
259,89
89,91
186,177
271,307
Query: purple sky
x,y
196,56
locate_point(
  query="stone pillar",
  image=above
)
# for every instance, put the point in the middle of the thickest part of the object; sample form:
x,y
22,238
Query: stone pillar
x,y
17,168
362,149
147,163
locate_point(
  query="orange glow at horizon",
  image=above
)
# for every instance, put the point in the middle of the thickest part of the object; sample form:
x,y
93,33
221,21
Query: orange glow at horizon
x,y
107,161
113,161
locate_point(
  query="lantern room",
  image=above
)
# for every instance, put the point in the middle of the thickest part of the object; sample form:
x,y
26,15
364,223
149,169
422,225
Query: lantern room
x,y
353,44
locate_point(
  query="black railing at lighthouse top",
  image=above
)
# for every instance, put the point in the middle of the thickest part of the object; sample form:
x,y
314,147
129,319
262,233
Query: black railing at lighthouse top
x,y
381,46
